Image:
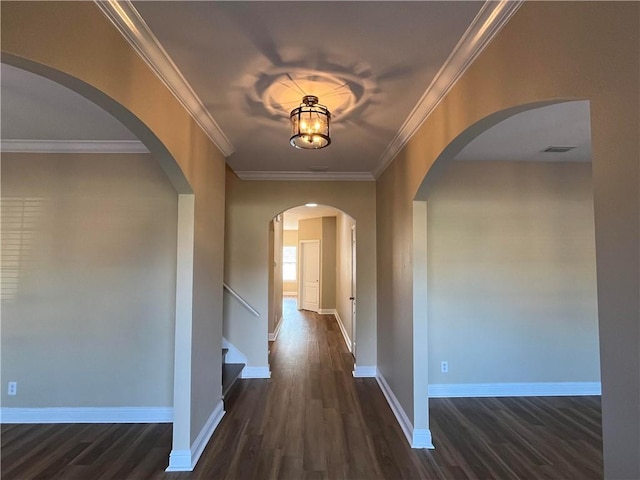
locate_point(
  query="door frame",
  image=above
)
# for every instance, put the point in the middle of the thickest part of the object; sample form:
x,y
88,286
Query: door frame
x,y
353,290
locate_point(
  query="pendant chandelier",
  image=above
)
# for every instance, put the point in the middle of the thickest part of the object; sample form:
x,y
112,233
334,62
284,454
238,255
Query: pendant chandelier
x,y
310,124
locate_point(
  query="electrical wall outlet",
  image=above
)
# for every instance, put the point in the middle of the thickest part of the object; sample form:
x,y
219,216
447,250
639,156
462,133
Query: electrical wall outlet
x,y
444,366
13,388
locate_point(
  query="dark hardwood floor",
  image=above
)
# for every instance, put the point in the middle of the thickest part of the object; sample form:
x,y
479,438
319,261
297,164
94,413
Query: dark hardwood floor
x,y
313,420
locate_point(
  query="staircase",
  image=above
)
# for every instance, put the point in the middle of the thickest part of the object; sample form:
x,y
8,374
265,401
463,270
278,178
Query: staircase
x,y
230,373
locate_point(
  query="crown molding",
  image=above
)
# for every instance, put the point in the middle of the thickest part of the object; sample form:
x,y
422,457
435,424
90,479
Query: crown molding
x,y
72,146
484,27
308,176
135,30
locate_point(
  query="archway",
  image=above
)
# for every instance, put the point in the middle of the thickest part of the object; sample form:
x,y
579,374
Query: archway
x,y
191,422
331,234
522,159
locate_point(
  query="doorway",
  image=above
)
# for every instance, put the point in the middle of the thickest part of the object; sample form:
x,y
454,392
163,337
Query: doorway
x,y
313,251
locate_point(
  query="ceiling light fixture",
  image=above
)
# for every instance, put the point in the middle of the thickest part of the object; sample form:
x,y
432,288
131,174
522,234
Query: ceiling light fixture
x,y
311,205
310,124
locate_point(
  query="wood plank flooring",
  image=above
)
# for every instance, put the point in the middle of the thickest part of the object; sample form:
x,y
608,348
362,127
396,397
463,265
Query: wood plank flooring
x,y
313,420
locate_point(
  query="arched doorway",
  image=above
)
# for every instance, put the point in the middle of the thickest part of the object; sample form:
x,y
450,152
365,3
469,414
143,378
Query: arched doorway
x,y
497,166
190,420
313,253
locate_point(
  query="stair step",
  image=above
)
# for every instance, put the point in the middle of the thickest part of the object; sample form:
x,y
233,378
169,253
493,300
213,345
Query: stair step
x,y
230,373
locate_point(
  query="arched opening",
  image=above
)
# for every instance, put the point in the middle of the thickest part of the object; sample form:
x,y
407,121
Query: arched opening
x,y
312,249
504,261
96,263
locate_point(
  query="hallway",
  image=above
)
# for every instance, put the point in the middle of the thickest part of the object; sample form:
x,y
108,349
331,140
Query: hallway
x,y
307,421
313,420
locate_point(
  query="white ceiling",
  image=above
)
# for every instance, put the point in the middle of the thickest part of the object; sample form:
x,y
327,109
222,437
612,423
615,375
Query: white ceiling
x,y
247,62
369,62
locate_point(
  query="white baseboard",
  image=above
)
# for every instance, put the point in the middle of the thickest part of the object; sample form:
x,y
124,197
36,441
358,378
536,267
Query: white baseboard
x,y
420,438
233,355
87,415
186,460
548,389
273,336
365,371
289,294
179,461
345,335
256,372
326,311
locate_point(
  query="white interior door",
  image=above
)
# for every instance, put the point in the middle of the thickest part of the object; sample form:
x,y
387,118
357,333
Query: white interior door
x,y
310,275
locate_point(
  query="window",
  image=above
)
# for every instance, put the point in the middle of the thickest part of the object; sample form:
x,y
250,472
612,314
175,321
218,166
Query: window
x,y
289,258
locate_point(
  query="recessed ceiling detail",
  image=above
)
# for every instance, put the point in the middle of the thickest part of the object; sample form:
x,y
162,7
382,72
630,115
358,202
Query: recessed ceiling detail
x,y
281,89
239,61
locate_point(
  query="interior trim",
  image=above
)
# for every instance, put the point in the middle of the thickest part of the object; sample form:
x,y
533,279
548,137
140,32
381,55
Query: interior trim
x,y
87,415
417,438
256,372
364,371
135,30
186,460
538,389
345,335
308,176
484,27
72,146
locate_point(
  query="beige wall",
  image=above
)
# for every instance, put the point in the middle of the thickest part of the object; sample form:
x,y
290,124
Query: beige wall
x,y
250,207
328,267
512,274
290,239
310,229
88,280
548,51
91,61
343,271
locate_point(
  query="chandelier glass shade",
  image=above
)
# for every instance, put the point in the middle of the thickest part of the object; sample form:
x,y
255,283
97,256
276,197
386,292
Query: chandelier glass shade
x,y
310,124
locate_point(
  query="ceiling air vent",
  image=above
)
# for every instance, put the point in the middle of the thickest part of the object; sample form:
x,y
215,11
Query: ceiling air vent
x,y
319,168
554,149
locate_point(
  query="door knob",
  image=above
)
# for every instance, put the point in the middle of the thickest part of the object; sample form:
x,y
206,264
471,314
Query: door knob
x,y
352,298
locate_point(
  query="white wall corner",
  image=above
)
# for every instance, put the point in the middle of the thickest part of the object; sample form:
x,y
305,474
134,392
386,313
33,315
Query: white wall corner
x,y
87,415
256,372
419,438
345,335
233,355
273,336
364,371
540,389
186,460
